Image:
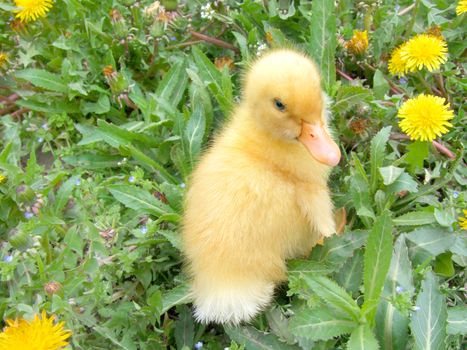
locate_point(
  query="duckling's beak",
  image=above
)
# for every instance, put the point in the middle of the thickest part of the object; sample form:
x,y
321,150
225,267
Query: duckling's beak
x,y
318,142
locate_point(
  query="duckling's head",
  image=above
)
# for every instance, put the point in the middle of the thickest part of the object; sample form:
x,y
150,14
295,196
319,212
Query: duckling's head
x,y
282,93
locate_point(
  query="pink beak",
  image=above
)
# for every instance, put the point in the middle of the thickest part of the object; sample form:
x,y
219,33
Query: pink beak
x,y
320,145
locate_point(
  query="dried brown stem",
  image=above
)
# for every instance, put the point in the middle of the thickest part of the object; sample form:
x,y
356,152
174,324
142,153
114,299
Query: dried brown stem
x,y
7,110
19,112
215,41
9,99
129,103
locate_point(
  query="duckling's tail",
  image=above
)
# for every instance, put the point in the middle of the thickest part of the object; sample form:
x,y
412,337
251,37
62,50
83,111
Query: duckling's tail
x,y
231,302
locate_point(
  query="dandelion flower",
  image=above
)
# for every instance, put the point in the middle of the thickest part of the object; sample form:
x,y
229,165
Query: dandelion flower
x,y
30,10
424,50
425,117
2,178
358,43
461,7
3,59
39,334
397,65
463,221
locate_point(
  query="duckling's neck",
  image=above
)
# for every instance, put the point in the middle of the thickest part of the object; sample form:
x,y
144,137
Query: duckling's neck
x,y
281,154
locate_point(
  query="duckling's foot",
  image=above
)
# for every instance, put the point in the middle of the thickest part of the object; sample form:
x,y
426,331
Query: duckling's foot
x,y
232,304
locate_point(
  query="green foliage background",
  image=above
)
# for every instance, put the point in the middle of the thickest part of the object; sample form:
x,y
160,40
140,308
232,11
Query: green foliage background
x,y
105,111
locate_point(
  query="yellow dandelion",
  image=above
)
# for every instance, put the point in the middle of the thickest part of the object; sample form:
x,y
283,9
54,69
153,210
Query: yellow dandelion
x,y
424,50
463,220
358,43
3,59
30,10
38,334
397,65
425,117
2,178
461,7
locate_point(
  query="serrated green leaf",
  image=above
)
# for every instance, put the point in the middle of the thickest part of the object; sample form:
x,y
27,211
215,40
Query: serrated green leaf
x,y
173,85
179,295
323,40
377,154
391,325
138,199
93,161
415,218
390,174
380,85
320,324
349,96
100,107
350,274
403,183
432,240
43,79
253,339
214,79
400,271
360,193
376,263
443,265
64,193
194,133
184,328
457,320
279,324
362,338
337,249
428,323
333,294
417,152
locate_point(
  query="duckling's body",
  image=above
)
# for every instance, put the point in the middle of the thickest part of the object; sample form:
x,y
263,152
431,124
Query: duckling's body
x,y
257,196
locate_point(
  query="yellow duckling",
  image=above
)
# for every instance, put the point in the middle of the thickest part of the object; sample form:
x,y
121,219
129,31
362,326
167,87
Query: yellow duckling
x,y
259,195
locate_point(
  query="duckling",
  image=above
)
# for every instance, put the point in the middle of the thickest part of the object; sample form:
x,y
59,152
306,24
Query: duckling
x,y
259,194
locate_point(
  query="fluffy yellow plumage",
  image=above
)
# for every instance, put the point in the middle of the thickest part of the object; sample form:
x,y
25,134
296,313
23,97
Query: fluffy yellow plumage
x,y
38,334
259,195
30,10
425,117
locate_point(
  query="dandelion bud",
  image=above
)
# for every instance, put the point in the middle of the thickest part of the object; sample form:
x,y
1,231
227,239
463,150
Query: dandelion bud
x,y
221,62
19,239
25,193
358,43
52,287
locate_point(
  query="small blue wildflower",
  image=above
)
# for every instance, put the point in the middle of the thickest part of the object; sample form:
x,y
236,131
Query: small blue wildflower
x,y
45,126
78,182
8,258
182,185
455,194
402,80
397,8
199,345
40,139
28,215
143,230
416,308
173,38
131,179
399,289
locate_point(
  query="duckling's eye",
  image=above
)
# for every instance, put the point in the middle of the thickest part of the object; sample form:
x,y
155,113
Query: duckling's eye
x,y
279,105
